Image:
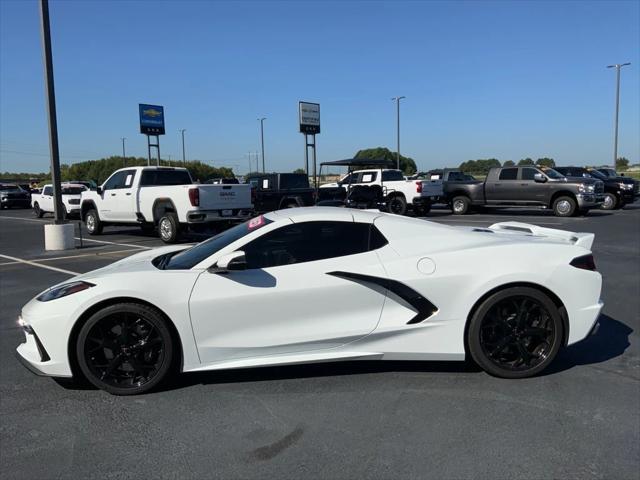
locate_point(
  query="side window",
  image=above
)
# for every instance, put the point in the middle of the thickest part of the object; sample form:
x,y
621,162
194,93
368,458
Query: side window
x,y
266,185
352,178
115,180
509,174
128,179
48,191
310,241
369,177
392,175
528,173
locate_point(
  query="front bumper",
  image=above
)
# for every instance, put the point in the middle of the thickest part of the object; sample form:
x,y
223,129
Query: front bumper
x,y
16,202
589,200
628,196
33,355
206,216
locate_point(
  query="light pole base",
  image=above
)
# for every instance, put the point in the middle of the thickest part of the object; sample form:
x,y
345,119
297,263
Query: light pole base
x,y
59,237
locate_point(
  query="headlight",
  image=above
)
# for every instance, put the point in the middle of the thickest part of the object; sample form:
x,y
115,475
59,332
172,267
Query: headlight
x,y
584,188
626,186
64,290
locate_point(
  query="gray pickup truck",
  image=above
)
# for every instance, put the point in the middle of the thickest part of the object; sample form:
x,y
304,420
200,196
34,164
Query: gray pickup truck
x,y
526,186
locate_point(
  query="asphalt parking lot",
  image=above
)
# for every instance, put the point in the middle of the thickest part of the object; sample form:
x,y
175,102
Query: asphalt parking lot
x,y
580,419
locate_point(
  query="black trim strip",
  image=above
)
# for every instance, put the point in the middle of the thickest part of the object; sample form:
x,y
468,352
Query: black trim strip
x,y
424,307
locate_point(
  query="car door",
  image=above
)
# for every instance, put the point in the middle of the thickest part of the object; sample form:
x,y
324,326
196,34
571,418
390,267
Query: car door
x,y
117,196
46,202
505,188
288,300
532,191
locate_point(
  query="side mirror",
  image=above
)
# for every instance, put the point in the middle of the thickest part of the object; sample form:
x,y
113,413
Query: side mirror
x,y
539,178
622,174
231,262
99,190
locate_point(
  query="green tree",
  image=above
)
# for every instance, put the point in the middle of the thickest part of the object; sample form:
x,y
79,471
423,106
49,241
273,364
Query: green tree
x,y
407,165
622,163
299,170
546,162
509,163
480,166
526,161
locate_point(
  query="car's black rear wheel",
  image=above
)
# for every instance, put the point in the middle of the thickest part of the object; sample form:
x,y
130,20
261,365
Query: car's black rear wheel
x,y
125,349
515,333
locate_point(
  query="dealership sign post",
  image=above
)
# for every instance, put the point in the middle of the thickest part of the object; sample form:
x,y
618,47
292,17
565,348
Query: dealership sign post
x,y
152,125
309,115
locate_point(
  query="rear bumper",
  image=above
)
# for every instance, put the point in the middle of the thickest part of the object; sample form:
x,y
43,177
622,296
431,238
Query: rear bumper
x,y
583,322
207,216
589,200
421,201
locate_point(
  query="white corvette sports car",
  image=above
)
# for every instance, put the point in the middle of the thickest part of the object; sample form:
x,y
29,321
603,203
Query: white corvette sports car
x,y
320,284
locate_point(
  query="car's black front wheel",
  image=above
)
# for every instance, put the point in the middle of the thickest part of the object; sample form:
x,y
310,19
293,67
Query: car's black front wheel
x,y
125,349
397,204
37,211
611,201
515,333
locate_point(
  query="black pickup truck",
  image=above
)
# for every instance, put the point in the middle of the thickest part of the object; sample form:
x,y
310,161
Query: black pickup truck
x,y
618,191
274,191
526,186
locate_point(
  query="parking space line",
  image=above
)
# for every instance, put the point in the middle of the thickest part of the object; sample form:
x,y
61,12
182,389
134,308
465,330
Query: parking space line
x,y
95,254
34,264
25,219
113,243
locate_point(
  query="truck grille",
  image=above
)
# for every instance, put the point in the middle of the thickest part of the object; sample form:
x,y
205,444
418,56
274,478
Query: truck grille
x,y
636,187
599,188
74,201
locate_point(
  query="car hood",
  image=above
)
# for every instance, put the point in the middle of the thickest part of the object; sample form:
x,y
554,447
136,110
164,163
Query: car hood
x,y
135,263
576,180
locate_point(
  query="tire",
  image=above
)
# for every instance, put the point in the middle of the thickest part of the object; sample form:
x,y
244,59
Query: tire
x,y
397,205
93,223
611,202
515,333
169,228
460,205
36,210
65,214
564,207
125,349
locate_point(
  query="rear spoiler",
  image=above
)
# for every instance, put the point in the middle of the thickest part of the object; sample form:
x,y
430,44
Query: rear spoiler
x,y
580,239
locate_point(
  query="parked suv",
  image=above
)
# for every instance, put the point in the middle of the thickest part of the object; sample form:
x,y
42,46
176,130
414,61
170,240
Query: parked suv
x,y
274,191
526,186
618,191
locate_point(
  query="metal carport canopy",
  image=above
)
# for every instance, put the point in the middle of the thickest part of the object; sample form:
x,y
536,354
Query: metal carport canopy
x,y
360,162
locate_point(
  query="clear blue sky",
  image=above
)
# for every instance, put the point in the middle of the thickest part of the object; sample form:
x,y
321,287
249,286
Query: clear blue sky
x,y
482,79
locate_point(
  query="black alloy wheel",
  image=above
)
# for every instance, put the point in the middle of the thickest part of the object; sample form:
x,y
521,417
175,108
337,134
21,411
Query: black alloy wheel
x,y
397,205
125,349
515,333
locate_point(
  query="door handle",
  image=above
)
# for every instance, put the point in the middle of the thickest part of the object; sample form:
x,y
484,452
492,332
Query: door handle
x,y
524,184
128,193
113,194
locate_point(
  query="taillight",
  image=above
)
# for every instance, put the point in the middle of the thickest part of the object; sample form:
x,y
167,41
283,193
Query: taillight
x,y
194,197
585,262
419,187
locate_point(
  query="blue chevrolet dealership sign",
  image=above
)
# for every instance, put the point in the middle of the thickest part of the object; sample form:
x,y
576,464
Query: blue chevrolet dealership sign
x,y
151,119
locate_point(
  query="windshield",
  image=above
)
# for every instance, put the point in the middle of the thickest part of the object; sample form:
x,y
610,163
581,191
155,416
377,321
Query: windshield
x,y
189,258
597,174
608,172
551,173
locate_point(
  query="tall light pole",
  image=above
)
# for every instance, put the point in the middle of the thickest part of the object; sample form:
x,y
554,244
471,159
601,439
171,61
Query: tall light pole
x,y
617,66
123,154
184,162
262,139
397,99
51,110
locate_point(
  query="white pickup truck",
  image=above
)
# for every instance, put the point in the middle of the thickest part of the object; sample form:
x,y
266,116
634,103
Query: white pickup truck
x,y
400,194
165,197
71,194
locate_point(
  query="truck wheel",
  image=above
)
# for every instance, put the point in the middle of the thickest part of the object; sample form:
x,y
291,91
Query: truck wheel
x,y
564,207
93,223
610,202
460,205
397,205
169,228
36,210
